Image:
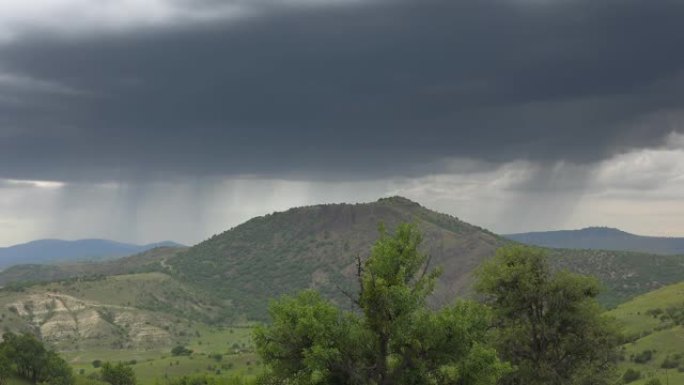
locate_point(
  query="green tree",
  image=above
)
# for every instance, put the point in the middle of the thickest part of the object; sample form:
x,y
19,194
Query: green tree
x,y
393,338
34,362
631,375
549,325
57,371
5,366
119,374
28,355
180,350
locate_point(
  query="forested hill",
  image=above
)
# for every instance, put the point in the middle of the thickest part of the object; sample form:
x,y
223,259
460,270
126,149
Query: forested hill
x,y
316,246
601,238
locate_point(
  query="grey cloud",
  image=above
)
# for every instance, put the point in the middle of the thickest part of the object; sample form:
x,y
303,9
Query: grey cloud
x,y
357,90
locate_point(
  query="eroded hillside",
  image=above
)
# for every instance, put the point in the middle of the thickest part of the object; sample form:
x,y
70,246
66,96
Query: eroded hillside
x,y
139,311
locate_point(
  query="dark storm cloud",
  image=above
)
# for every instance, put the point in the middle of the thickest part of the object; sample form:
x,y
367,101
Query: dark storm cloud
x,y
363,89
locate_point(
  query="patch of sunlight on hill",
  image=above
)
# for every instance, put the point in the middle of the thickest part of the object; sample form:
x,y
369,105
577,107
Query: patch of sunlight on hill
x,y
653,324
640,314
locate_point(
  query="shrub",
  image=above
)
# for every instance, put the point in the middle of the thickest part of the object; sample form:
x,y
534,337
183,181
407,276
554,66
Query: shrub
x,y
97,363
670,363
631,375
653,381
643,357
181,350
216,357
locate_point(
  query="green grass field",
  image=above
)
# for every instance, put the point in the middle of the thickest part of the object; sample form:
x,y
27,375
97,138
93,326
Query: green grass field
x,y
223,352
647,320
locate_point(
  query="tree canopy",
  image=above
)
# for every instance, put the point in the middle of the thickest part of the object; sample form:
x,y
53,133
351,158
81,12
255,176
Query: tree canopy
x,y
393,338
548,324
33,361
118,374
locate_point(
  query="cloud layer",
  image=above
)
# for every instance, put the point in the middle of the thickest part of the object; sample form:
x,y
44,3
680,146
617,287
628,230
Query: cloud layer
x,y
161,119
352,90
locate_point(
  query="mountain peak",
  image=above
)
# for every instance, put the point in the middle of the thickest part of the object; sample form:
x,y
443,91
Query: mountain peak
x,y
604,230
317,246
399,200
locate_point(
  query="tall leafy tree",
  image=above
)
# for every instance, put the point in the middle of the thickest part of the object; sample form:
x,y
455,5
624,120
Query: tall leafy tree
x,y
34,362
549,324
394,338
5,366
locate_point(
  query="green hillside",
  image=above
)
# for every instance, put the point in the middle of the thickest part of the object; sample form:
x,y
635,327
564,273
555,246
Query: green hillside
x,y
654,325
138,311
32,273
624,274
139,307
316,247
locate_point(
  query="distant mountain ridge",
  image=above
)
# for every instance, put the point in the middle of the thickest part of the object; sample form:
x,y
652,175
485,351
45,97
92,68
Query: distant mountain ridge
x,y
57,250
601,238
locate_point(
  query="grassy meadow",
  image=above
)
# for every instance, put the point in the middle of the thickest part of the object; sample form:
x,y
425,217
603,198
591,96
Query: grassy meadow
x,y
653,323
218,351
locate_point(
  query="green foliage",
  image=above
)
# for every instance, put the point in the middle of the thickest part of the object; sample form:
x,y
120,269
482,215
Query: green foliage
x,y
119,374
643,357
631,375
32,361
670,363
5,366
549,325
393,338
209,380
653,381
180,350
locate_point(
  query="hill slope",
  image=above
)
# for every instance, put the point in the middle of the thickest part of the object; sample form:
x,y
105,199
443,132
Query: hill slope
x,y
654,323
55,250
316,247
151,260
601,238
135,311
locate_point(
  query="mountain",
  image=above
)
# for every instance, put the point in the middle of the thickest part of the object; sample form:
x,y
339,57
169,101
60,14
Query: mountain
x,y
316,247
55,250
601,238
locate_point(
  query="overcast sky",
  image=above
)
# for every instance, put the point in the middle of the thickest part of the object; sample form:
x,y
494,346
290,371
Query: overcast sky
x,y
144,120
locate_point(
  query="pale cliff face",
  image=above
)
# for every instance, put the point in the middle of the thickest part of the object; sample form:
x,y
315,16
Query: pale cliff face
x,y
69,322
